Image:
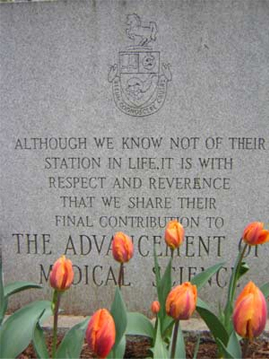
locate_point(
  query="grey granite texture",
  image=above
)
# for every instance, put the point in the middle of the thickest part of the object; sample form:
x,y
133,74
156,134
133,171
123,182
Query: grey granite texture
x,y
27,1
119,115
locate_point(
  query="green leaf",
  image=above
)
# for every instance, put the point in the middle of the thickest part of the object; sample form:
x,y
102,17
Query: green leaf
x,y
233,346
159,350
157,270
227,354
119,314
72,342
168,323
39,341
196,347
164,289
180,352
16,332
212,321
139,324
265,289
16,287
221,315
163,285
202,278
243,269
118,352
3,299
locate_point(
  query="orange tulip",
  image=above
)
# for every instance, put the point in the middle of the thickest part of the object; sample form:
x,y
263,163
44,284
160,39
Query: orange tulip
x,y
250,312
62,274
122,247
255,234
101,333
181,301
155,307
174,234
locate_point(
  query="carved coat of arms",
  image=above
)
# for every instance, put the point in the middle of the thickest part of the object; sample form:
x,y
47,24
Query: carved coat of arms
x,y
139,80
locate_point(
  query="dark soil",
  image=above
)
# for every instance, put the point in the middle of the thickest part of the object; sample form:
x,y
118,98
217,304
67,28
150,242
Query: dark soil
x,y
259,349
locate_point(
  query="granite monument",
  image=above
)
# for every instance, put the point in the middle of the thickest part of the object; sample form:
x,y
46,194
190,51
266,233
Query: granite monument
x,y
123,115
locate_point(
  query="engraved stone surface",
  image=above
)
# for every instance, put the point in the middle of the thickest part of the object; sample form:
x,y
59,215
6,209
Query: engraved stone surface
x,y
119,116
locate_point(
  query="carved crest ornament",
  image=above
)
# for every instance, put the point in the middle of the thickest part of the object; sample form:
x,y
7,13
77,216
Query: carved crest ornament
x,y
139,80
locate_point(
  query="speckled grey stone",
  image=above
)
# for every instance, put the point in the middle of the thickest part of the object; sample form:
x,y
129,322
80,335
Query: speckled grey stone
x,y
119,115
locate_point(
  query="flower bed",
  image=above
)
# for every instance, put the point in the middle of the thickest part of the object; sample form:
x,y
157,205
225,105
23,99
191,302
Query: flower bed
x,y
107,332
259,349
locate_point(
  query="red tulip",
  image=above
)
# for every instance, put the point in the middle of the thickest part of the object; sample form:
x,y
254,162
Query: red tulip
x,y
255,234
181,301
101,333
155,307
250,312
174,234
122,247
62,274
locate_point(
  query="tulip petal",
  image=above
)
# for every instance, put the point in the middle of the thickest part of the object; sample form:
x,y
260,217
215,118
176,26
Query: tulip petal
x,y
181,301
155,307
101,333
254,234
243,314
263,237
174,234
260,316
122,247
250,312
62,274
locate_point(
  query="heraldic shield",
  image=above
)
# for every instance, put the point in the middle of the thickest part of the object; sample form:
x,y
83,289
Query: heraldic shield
x,y
139,75
139,80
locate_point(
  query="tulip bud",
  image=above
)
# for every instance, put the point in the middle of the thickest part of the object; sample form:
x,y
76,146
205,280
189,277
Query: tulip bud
x,y
62,274
255,234
155,307
101,333
122,247
250,312
174,234
181,301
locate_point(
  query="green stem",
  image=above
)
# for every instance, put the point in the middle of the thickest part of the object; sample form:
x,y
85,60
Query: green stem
x,y
56,305
245,348
237,268
232,286
120,279
155,330
174,340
